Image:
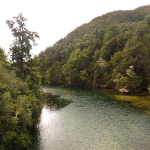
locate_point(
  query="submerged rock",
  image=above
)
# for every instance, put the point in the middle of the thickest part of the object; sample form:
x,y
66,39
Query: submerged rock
x,y
124,90
149,89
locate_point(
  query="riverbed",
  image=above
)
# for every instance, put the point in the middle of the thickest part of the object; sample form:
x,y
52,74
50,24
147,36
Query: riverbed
x,y
86,119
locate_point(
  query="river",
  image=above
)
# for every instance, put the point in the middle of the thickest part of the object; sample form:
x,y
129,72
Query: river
x,y
85,119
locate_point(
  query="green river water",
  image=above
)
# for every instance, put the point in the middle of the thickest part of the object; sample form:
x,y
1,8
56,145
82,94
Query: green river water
x,y
88,119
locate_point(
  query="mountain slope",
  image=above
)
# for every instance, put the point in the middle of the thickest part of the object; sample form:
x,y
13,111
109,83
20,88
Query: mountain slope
x,y
111,51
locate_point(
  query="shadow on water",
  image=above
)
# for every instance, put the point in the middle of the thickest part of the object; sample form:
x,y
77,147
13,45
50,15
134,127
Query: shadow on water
x,y
54,102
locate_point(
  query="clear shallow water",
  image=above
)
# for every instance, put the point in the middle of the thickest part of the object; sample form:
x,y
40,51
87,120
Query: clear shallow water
x,y
91,122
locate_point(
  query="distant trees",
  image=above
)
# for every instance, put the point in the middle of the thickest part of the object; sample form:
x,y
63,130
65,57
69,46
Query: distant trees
x,y
147,19
111,51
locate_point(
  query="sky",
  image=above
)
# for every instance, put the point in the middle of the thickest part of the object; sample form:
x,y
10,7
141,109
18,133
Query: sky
x,y
54,19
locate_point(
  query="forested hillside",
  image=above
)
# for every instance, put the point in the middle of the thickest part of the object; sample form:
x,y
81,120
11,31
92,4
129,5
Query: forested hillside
x,y
111,51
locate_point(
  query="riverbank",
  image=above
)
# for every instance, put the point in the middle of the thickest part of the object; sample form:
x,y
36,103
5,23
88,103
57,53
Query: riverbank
x,y
140,101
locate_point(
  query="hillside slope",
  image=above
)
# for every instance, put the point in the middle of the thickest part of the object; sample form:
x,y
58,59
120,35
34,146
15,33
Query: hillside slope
x,y
111,51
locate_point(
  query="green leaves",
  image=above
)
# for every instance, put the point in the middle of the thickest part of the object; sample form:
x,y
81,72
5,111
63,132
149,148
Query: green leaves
x,y
18,101
147,19
21,47
101,53
129,80
8,138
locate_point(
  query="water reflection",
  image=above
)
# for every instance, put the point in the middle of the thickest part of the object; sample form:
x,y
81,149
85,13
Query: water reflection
x,y
47,116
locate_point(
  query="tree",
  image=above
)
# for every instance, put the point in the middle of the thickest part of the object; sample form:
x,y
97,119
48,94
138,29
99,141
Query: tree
x,y
21,46
147,19
99,68
19,104
130,80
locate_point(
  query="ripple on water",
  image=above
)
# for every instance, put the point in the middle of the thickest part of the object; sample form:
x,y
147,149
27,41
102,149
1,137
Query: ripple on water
x,y
91,122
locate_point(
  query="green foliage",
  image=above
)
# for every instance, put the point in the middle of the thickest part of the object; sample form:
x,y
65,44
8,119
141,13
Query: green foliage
x,y
129,81
20,49
16,110
147,19
2,56
18,98
53,74
98,75
101,52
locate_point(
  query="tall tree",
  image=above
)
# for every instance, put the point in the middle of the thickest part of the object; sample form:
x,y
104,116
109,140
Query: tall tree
x,y
22,44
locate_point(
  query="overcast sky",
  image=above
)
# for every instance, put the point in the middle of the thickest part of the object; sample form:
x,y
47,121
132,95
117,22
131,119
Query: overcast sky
x,y
54,19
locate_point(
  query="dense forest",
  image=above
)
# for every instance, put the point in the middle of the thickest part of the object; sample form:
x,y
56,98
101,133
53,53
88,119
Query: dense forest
x,y
111,51
20,88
